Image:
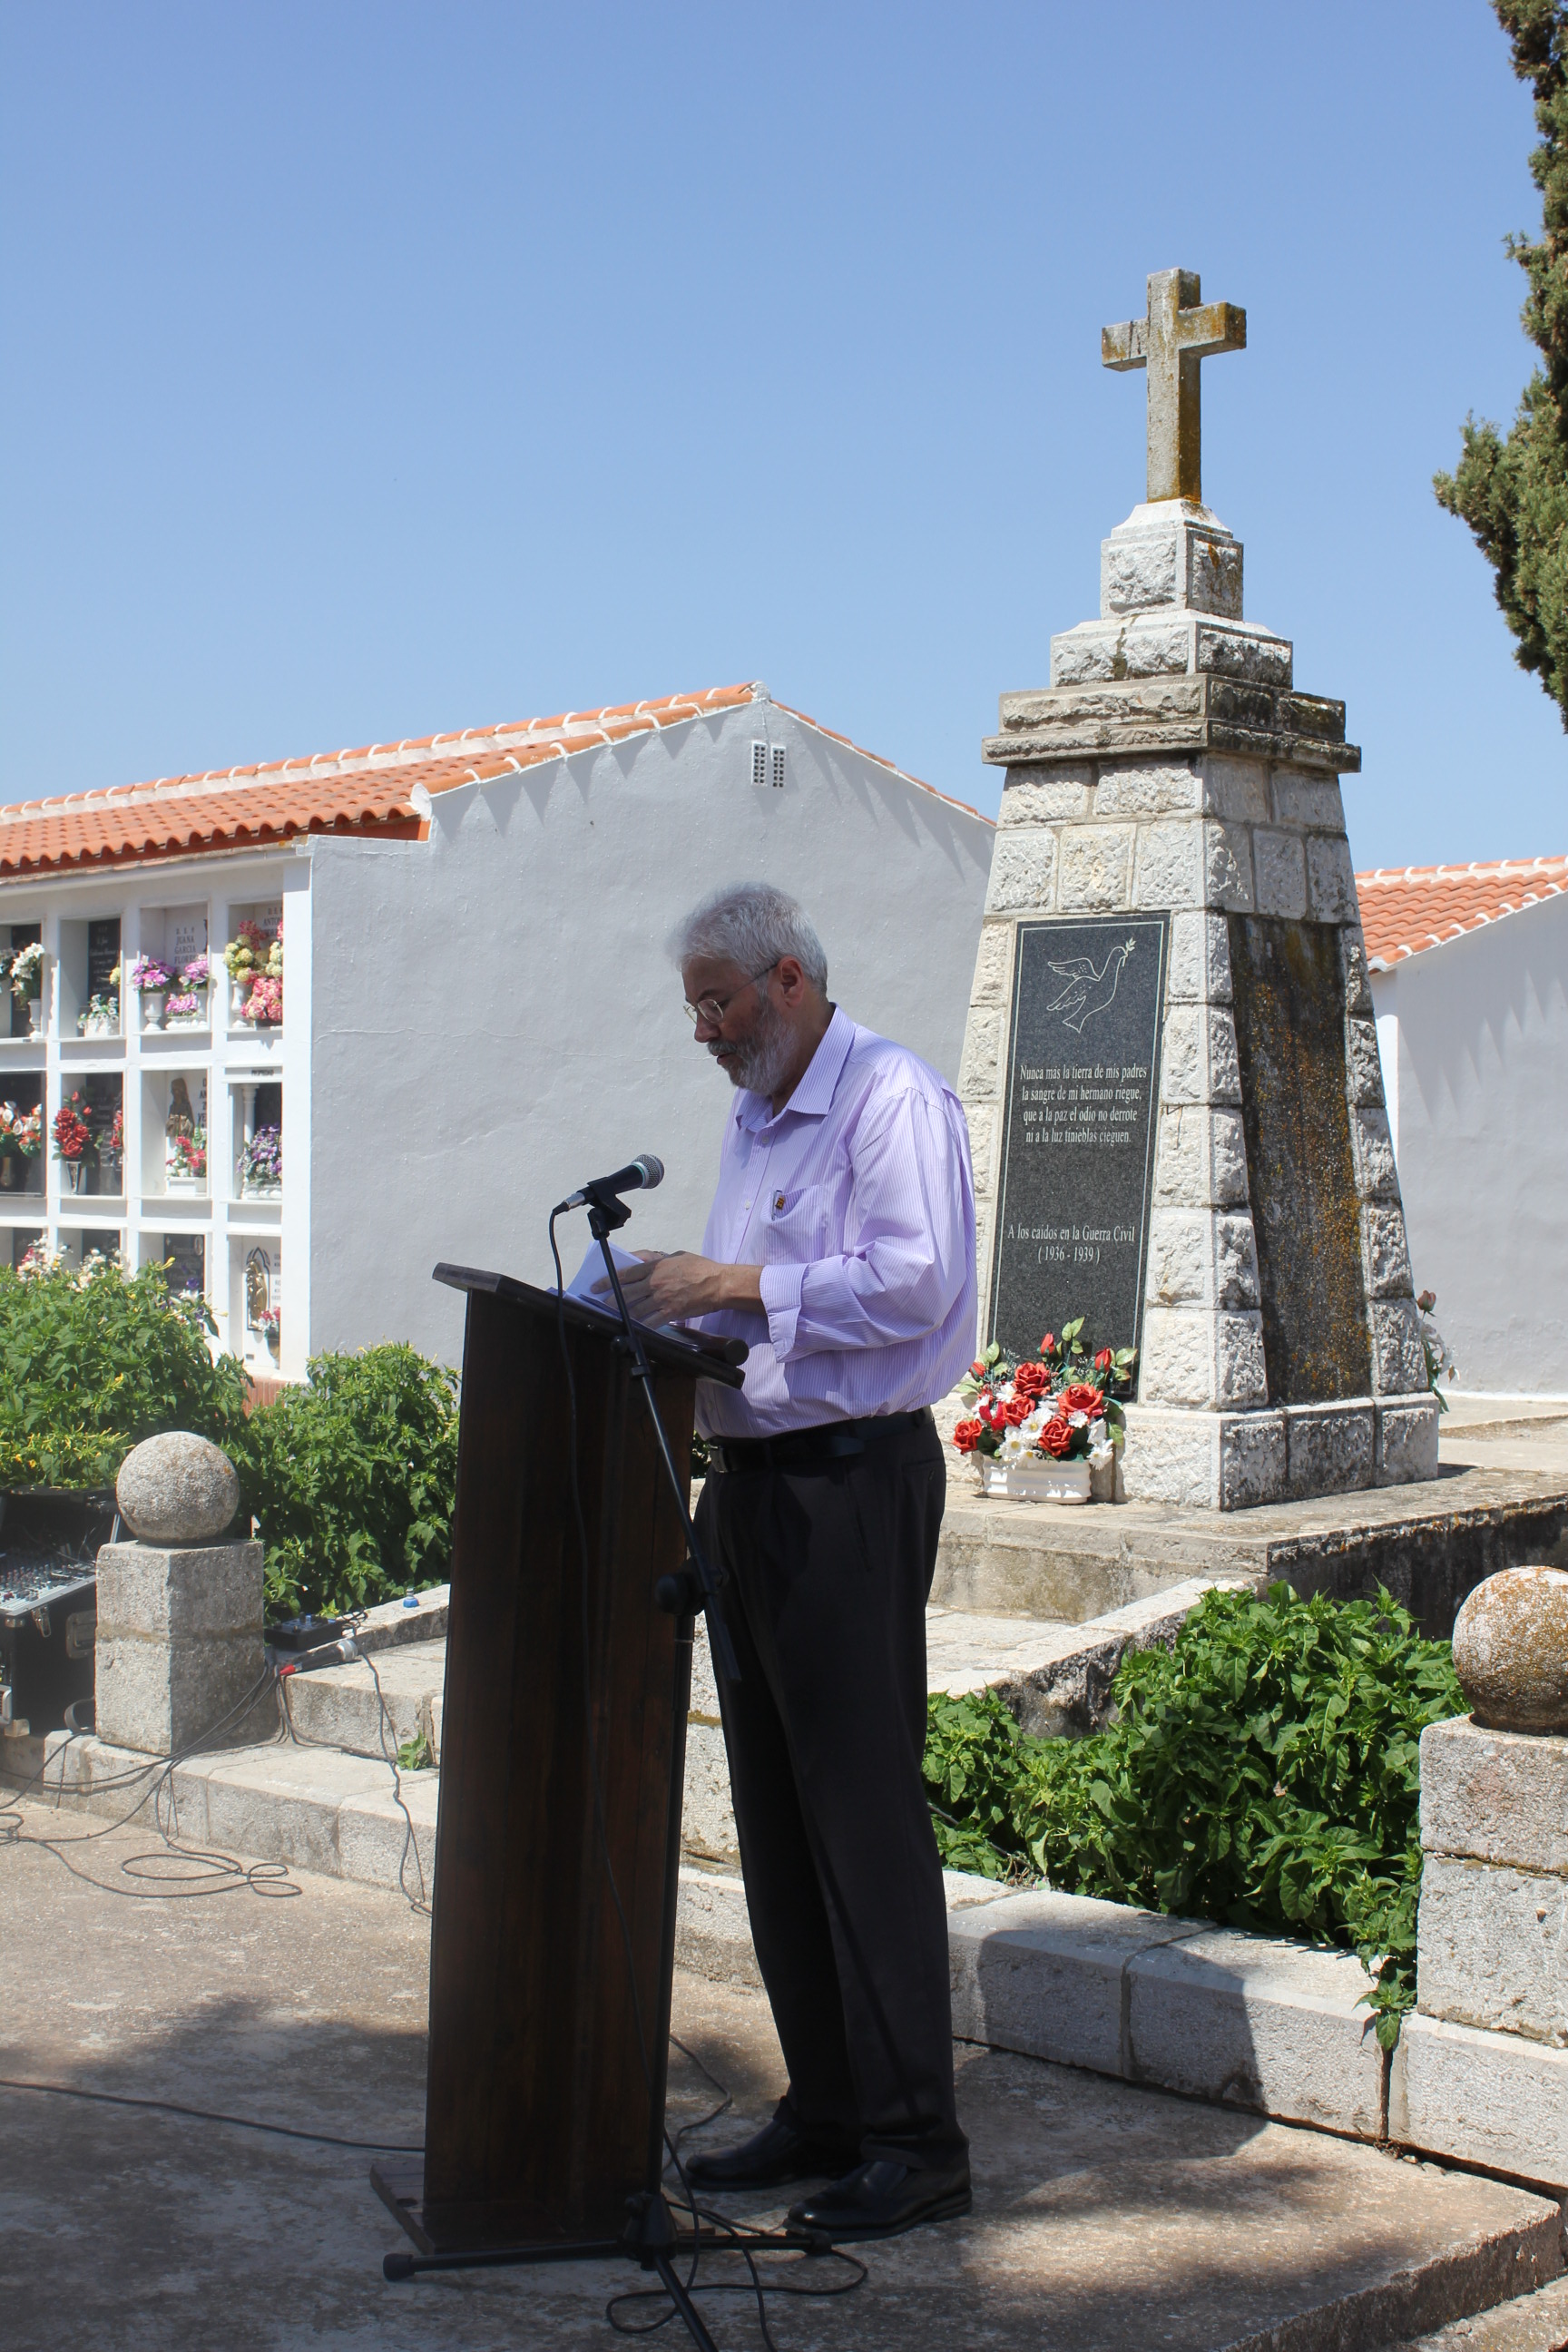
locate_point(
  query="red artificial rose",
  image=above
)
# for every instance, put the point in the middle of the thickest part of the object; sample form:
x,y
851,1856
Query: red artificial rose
x,y
966,1437
1055,1438
1049,1344
1080,1398
977,1369
1103,1360
1031,1380
1017,1409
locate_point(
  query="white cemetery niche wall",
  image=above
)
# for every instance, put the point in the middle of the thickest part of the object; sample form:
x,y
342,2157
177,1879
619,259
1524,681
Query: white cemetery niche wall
x,y
175,1155
1171,1068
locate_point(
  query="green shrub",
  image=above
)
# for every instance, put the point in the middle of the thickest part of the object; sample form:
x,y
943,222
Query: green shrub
x,y
93,1361
1265,1773
352,1478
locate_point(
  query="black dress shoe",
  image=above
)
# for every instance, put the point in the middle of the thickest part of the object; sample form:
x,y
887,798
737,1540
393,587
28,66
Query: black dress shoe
x,y
882,2198
775,2154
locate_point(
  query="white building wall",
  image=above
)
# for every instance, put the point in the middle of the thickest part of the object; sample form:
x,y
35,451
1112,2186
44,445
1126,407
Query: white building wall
x,y
1474,1038
493,1017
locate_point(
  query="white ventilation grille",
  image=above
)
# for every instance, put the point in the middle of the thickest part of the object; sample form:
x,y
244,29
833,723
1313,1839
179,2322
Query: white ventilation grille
x,y
778,767
759,764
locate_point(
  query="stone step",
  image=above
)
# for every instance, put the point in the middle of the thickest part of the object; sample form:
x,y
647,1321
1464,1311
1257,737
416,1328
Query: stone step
x,y
1242,2020
338,1706
1430,1544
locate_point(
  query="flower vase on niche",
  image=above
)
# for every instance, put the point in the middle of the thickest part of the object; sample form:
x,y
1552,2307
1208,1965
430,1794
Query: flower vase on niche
x,y
73,1139
149,981
184,1144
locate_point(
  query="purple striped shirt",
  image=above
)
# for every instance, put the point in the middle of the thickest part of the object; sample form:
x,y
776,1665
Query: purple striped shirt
x,y
857,1204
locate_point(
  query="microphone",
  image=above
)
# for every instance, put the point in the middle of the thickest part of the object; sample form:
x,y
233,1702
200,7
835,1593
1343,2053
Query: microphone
x,y
639,1176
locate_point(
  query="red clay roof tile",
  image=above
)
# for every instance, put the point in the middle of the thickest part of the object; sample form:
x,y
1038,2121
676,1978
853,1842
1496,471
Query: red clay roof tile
x,y
1405,910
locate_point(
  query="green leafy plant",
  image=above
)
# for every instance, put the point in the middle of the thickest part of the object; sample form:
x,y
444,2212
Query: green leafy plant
x,y
93,1361
1265,1772
414,1756
352,1478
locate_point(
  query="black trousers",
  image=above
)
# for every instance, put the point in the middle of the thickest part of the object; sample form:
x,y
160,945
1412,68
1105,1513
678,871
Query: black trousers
x,y
829,1572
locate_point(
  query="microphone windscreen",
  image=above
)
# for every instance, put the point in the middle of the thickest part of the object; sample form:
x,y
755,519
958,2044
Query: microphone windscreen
x,y
653,1169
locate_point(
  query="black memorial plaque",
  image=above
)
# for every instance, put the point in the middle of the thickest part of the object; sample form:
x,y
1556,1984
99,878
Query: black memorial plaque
x,y
102,955
1078,1154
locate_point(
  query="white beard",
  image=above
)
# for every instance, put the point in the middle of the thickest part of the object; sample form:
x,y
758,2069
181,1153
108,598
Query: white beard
x,y
761,1063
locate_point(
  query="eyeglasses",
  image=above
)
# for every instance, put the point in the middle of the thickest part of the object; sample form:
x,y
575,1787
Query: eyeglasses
x,y
712,1009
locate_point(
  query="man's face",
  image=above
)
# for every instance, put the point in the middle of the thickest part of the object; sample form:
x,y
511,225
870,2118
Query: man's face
x,y
751,1040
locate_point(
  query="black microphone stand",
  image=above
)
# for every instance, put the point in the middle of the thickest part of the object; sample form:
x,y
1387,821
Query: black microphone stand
x,y
683,1596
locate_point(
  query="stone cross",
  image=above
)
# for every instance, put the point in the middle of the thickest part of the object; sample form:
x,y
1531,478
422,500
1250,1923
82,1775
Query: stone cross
x,y
1179,332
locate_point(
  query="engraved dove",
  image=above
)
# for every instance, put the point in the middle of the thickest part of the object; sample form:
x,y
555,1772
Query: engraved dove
x,y
1090,987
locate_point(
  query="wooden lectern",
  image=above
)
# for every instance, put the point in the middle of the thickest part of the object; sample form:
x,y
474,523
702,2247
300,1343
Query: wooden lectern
x,y
542,2114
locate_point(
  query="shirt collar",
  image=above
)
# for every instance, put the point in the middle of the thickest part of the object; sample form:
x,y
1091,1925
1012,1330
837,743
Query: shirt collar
x,y
813,1098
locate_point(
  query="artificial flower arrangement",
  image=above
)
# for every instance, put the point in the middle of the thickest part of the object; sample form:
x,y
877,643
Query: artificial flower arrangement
x,y
183,1010
187,1154
72,1132
27,971
102,1018
261,1161
149,977
113,1144
198,972
270,1322
255,963
21,1132
1062,1406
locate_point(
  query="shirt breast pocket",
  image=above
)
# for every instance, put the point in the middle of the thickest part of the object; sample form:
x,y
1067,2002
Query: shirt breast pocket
x,y
797,1221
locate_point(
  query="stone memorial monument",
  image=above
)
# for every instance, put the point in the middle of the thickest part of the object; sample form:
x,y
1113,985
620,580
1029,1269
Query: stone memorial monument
x,y
1171,1068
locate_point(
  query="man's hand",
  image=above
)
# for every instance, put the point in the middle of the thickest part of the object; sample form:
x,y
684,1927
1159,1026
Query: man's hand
x,y
671,1288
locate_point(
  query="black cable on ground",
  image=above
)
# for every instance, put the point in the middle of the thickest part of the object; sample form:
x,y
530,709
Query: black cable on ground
x,y
221,1873
210,2116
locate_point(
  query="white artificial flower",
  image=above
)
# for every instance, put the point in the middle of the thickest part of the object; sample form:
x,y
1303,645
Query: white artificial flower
x,y
1077,1421
1098,1433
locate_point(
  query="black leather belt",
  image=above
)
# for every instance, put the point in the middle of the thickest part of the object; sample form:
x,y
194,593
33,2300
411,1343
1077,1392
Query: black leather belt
x,y
810,1449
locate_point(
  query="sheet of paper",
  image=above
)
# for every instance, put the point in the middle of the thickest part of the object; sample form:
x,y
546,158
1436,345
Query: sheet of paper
x,y
591,1270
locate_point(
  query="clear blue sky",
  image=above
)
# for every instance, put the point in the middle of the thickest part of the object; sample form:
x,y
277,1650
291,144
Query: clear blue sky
x,y
370,370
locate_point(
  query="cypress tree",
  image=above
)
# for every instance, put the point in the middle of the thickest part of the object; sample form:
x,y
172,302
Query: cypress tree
x,y
1513,492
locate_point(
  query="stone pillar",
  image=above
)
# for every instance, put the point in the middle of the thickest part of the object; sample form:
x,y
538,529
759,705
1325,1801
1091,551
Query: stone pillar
x,y
179,1641
1171,769
1481,2071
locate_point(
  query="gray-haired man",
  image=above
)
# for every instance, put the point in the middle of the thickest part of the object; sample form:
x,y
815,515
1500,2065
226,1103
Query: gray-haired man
x,y
841,1247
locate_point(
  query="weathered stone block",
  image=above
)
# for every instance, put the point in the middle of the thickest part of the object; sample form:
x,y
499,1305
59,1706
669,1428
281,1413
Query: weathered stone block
x,y
1354,965
179,1643
1279,861
980,1070
1204,1461
1227,868
1178,1362
1164,789
1331,880
1399,1360
1372,1147
1405,1440
993,965
1330,1448
1095,868
1181,1258
1253,1460
1384,1252
983,1128
1224,1070
1168,868
1238,789
1235,1261
1241,1377
1198,1058
1490,2099
1313,802
1495,1796
1492,1947
1198,966
1045,795
1364,1079
708,1814
1201,1158
1023,873
1255,2023
1243,650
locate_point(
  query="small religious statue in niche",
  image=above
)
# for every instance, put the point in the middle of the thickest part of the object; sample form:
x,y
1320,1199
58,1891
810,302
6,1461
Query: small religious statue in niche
x,y
185,1143
258,1287
182,1118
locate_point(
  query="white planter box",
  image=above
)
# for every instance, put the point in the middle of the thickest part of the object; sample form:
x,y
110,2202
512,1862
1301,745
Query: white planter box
x,y
261,1192
1035,1482
176,1182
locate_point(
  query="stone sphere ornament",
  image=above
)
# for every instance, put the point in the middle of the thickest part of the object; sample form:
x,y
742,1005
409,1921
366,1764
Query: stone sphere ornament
x,y
177,1490
1510,1650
